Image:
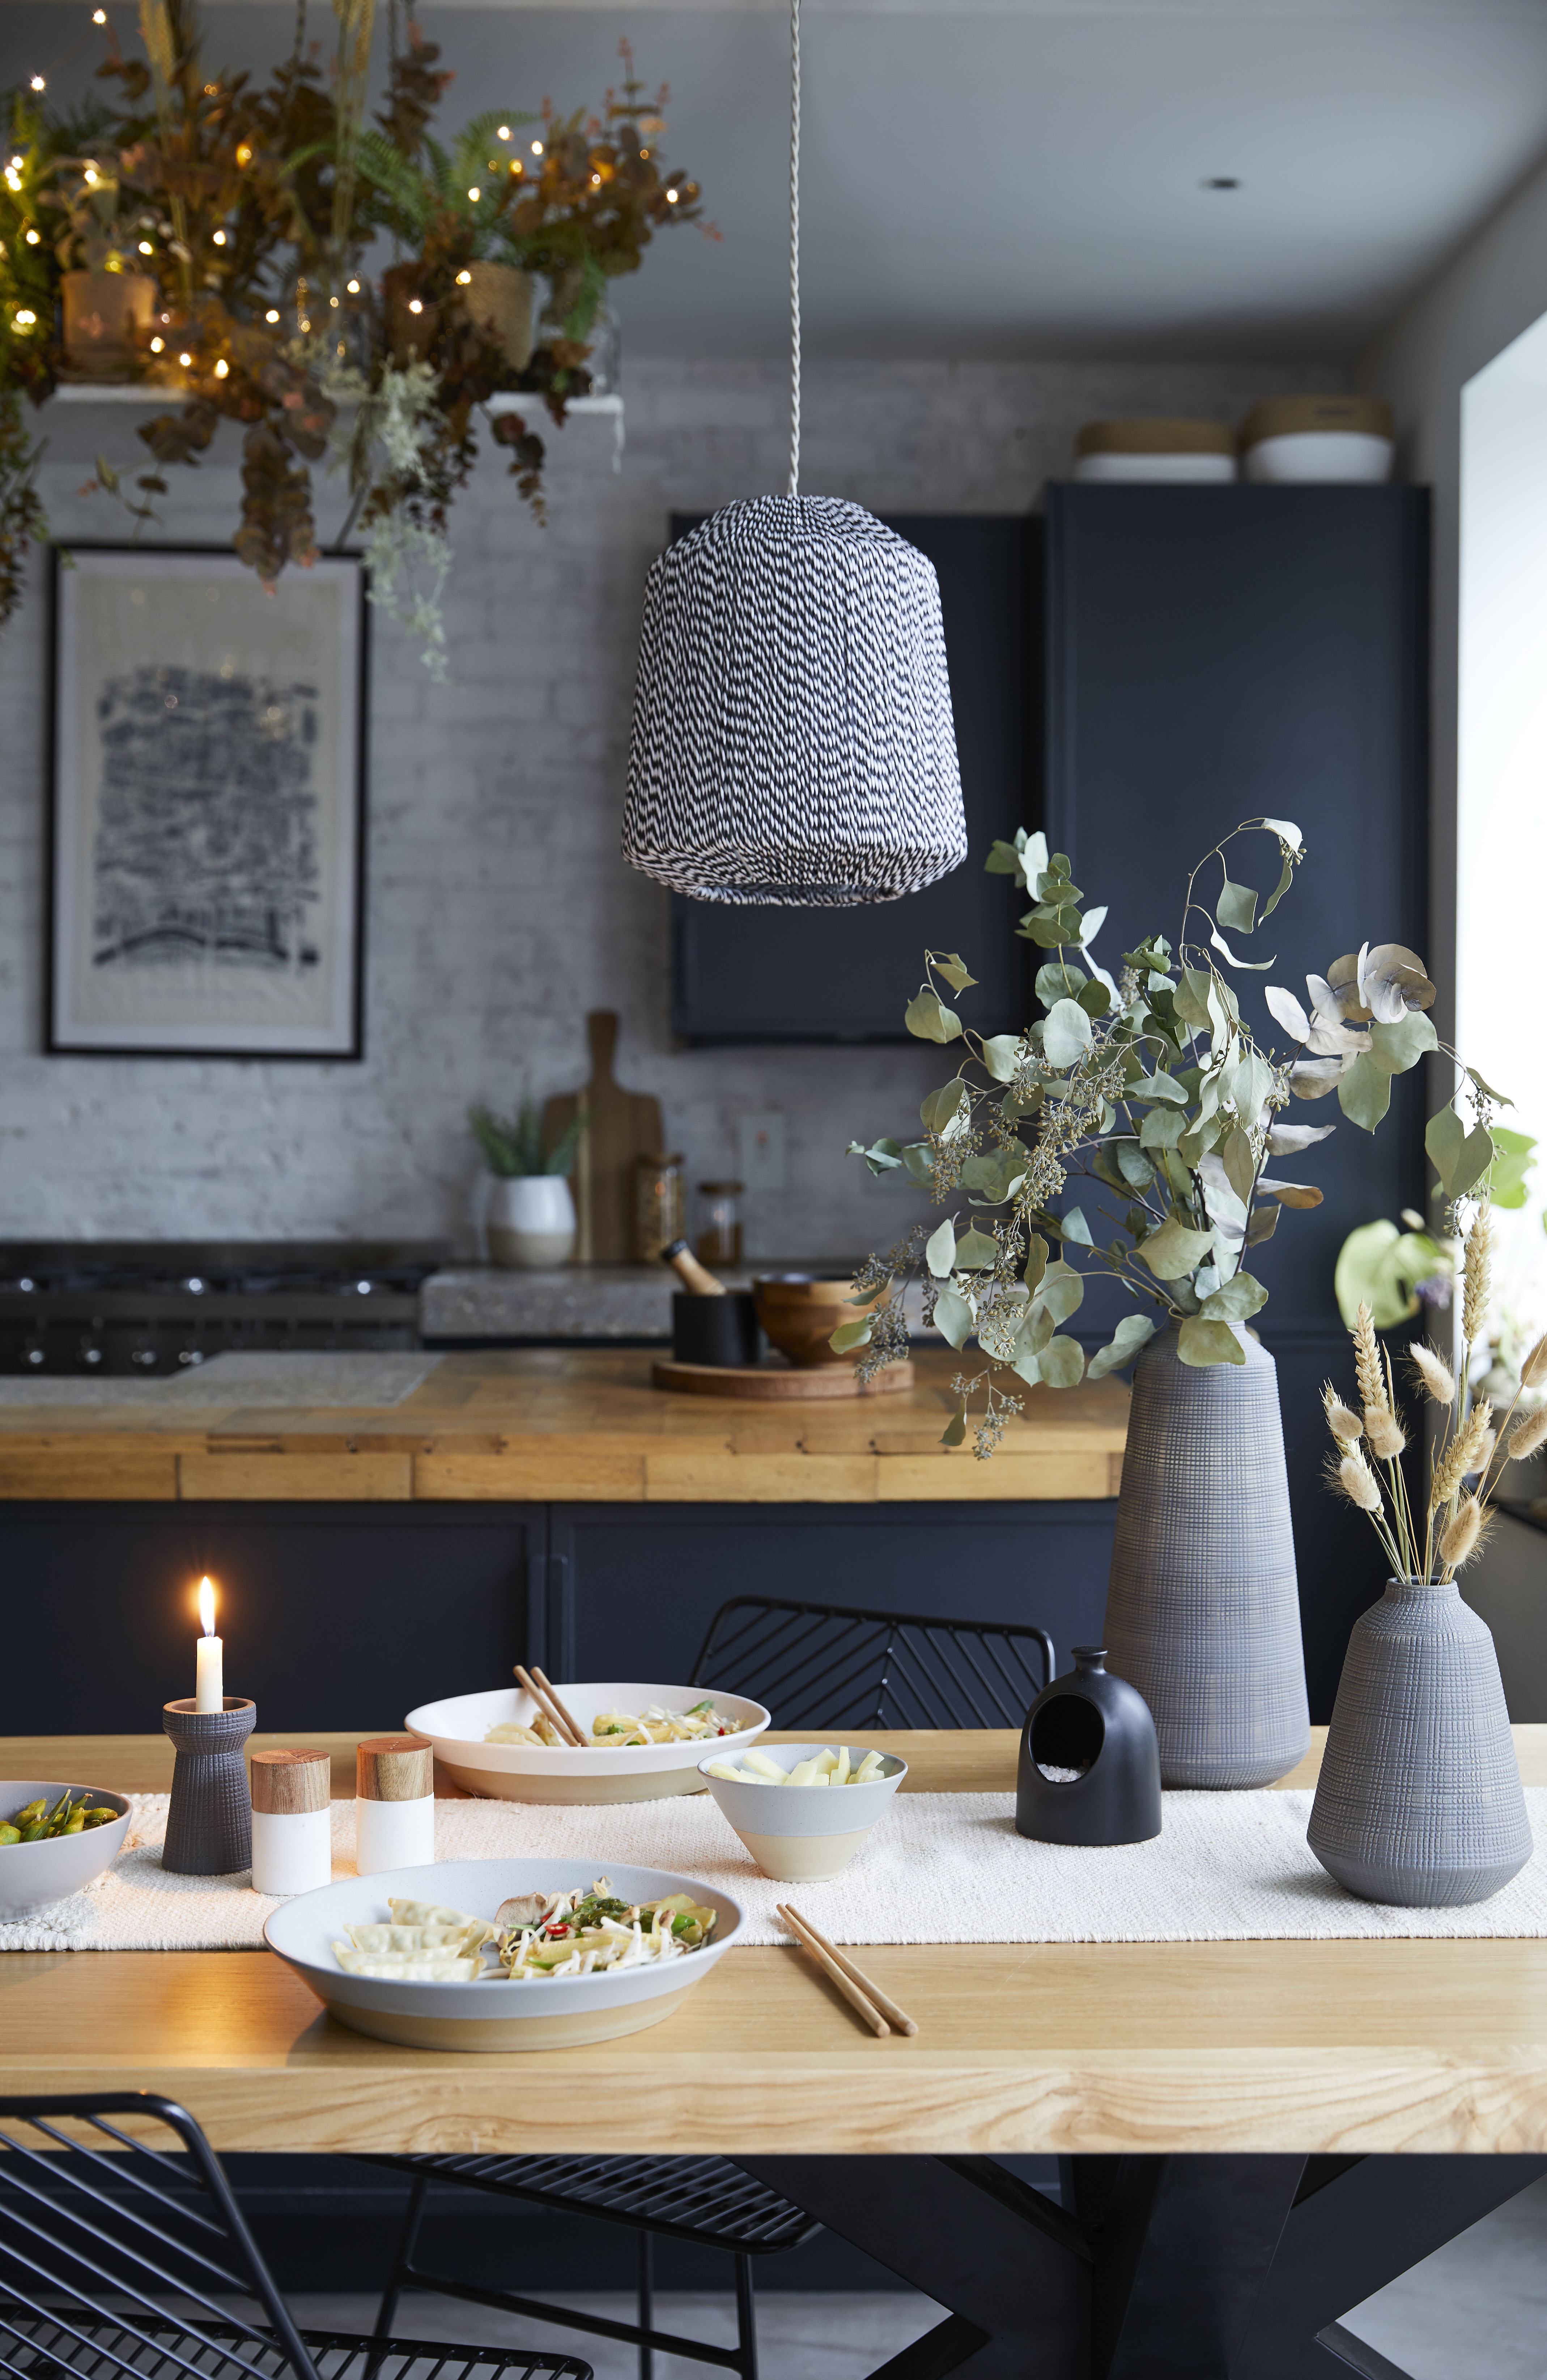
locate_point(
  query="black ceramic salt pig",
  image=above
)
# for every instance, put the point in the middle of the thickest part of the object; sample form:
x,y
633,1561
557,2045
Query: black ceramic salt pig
x,y
1098,1728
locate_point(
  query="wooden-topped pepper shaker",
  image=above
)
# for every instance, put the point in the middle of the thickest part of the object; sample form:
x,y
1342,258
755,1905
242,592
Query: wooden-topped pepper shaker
x,y
292,1821
395,1804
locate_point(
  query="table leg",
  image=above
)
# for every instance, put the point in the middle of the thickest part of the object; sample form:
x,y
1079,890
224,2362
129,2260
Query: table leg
x,y
1013,2270
1357,2223
1153,2268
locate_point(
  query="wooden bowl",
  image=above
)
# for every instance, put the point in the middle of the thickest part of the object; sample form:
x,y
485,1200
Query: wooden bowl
x,y
800,1314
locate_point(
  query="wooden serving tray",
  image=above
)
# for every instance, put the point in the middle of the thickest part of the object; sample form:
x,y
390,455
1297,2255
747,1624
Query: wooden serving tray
x,y
777,1381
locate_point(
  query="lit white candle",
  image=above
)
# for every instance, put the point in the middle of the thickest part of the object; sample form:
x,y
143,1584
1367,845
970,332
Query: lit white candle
x,y
209,1688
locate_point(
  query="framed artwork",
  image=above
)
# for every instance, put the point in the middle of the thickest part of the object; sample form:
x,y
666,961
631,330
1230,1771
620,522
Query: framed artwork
x,y
206,836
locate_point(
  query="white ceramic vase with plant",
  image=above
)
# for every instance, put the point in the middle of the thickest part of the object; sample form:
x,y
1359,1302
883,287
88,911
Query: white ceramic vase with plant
x,y
530,1215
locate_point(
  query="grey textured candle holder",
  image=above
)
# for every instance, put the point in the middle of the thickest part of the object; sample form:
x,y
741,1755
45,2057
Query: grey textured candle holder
x,y
209,1826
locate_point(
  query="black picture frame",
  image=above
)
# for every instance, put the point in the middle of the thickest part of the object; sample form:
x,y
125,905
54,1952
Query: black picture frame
x,y
237,929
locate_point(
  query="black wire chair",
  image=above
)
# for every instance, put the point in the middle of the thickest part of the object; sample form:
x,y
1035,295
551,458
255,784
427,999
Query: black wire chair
x,y
704,2201
124,2256
830,1666
813,1664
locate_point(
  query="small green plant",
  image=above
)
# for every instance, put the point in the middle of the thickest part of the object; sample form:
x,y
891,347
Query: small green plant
x,y
513,1145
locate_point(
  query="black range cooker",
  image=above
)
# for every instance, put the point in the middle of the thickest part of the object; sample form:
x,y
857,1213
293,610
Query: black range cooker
x,y
136,1308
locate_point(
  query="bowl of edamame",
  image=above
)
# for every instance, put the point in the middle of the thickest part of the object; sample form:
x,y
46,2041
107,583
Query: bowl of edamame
x,y
54,1839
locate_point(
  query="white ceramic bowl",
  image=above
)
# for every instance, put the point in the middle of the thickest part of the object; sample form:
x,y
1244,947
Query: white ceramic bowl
x,y
35,1876
553,2015
800,1832
523,1772
1320,454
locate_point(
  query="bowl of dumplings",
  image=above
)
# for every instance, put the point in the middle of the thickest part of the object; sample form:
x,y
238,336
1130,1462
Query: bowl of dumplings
x,y
505,1953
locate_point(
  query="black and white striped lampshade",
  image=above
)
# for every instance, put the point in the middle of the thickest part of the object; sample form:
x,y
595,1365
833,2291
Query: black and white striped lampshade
x,y
793,740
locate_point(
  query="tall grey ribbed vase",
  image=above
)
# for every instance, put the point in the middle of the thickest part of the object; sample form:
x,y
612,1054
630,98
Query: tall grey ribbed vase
x,y
1202,1608
1419,1803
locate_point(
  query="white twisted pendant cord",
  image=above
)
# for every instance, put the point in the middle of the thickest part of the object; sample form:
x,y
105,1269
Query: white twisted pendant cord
x,y
795,247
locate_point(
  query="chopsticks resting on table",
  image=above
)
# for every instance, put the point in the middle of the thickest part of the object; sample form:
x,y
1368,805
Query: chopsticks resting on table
x,y
548,1703
880,2013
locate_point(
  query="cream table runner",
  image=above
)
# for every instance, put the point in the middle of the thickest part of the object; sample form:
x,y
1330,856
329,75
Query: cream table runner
x,y
940,1868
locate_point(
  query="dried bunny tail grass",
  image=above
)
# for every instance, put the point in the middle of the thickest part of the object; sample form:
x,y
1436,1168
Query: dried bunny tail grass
x,y
1438,1380
1464,1537
1528,1434
1366,1362
1344,1424
1471,1450
1533,1371
1385,1433
1354,1478
1478,1275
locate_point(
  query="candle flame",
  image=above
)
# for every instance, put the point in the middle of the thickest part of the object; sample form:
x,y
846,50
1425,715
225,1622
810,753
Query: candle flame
x,y
206,1605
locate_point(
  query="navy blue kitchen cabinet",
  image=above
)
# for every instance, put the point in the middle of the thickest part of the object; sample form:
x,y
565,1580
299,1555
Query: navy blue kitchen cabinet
x,y
1217,654
348,1616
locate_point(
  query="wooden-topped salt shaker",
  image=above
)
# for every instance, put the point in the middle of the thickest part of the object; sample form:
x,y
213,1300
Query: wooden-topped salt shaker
x,y
395,1804
292,1834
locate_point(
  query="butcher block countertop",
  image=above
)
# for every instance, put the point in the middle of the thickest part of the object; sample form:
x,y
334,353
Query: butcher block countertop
x,y
571,1425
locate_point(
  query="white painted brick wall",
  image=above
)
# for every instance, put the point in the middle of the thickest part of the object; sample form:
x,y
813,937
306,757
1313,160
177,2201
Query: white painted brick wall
x,y
499,910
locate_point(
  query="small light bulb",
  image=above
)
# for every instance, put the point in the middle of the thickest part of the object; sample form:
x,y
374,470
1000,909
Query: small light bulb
x,y
475,196
537,147
353,289
644,152
16,164
596,180
332,301
464,281
32,239
273,315
221,368
415,307
145,249
503,132
156,346
671,198
90,177
218,237
185,361
38,83
99,16
26,319
244,155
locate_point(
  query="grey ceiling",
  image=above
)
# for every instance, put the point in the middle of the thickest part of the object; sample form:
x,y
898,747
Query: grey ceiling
x,y
1014,180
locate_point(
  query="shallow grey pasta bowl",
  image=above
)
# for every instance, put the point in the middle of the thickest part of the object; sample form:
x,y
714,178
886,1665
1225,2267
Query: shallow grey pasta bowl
x,y
560,2012
36,1875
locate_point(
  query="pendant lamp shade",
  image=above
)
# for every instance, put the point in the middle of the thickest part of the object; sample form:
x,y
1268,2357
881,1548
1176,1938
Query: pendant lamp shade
x,y
793,740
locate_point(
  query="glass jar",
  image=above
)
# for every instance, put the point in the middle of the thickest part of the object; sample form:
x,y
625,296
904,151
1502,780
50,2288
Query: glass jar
x,y
658,1205
719,1240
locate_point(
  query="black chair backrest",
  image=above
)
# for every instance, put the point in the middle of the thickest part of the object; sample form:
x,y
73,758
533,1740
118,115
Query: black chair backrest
x,y
825,1665
121,2249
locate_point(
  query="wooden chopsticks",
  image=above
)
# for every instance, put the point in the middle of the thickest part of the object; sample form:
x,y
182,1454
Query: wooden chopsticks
x,y
880,2013
548,1703
582,1741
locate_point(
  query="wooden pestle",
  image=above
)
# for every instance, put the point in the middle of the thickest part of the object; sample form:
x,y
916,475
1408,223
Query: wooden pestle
x,y
695,1278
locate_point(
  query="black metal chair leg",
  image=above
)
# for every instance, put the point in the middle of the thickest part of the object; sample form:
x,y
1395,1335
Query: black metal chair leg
x,y
402,2256
647,2303
745,2317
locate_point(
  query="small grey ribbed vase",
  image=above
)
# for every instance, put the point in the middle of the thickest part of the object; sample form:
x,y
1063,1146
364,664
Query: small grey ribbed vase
x,y
1419,1801
1202,1608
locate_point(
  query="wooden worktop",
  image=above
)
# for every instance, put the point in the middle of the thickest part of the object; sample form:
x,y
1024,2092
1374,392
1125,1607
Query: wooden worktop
x,y
576,1426
1335,2047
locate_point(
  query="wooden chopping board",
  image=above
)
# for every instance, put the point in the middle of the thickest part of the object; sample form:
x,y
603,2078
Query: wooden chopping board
x,y
620,1126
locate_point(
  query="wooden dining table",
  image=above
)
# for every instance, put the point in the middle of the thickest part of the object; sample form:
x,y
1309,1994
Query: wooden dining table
x,y
1257,2133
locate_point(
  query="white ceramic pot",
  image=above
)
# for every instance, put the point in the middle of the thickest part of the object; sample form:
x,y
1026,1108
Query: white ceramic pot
x,y
1322,454
531,1221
